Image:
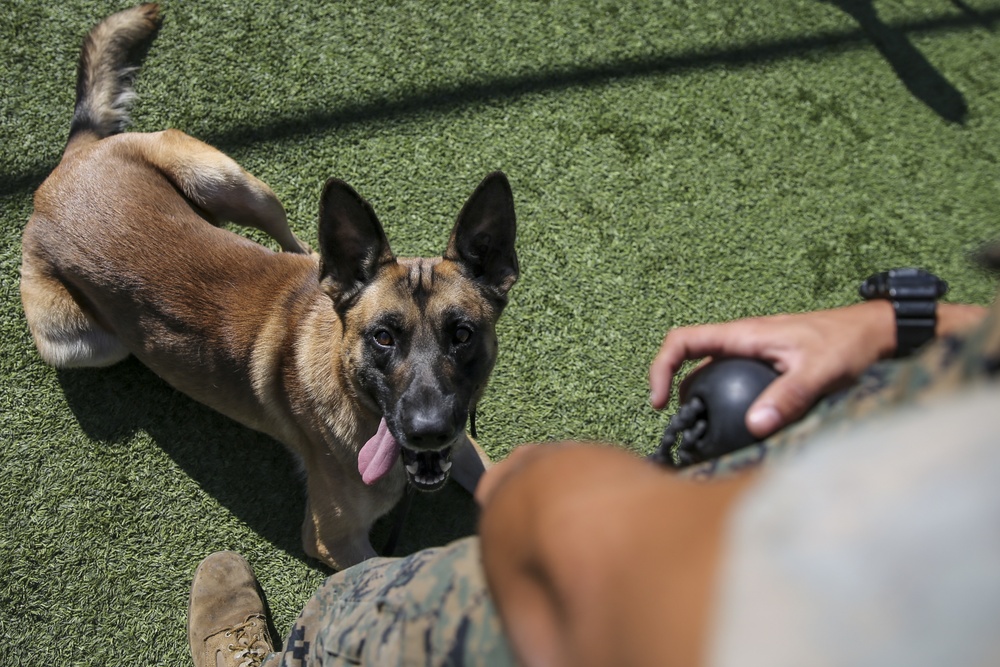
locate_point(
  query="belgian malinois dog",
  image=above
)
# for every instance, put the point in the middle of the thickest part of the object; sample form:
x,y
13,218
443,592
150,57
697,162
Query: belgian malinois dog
x,y
365,365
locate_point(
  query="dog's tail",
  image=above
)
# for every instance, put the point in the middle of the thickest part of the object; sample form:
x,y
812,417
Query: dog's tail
x,y
108,61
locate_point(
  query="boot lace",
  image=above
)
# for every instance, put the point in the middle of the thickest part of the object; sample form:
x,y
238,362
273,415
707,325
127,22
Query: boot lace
x,y
251,642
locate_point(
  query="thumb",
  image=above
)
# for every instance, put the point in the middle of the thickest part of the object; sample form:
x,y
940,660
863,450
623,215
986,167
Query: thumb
x,y
784,401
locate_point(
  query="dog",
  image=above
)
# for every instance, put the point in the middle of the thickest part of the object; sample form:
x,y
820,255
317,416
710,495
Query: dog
x,y
367,366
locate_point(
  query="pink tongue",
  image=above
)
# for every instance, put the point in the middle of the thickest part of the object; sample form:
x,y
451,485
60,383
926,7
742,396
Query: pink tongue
x,y
377,456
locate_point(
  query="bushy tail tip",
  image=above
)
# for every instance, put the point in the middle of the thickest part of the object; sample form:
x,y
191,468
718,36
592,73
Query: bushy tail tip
x,y
108,61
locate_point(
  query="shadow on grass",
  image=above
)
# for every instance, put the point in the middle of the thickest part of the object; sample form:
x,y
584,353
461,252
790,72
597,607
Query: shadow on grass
x,y
916,73
911,66
249,473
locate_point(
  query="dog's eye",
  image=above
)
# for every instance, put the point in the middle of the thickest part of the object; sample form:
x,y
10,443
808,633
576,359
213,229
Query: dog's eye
x,y
384,338
462,335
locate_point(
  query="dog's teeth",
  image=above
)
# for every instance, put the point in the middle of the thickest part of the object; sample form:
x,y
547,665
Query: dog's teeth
x,y
413,468
426,480
445,466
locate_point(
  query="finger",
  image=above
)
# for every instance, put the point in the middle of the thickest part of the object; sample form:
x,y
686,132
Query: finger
x,y
716,340
784,401
678,346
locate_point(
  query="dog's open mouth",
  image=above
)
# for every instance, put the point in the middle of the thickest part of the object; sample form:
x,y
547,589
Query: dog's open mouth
x,y
427,470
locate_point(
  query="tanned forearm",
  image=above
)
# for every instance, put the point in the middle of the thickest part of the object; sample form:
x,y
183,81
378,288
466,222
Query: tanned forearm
x,y
956,318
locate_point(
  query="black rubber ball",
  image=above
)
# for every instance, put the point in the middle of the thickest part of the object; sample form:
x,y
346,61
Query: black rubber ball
x,y
726,387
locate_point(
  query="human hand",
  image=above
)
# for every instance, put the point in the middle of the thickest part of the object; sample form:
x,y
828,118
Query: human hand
x,y
816,353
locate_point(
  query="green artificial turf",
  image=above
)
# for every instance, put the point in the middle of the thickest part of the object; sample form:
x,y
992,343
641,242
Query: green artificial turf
x,y
672,163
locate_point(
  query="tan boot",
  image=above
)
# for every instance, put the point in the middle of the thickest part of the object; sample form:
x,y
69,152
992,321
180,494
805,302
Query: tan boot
x,y
227,622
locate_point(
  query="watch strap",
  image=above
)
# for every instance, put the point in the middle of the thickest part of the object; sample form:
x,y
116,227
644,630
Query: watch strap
x,y
915,325
913,294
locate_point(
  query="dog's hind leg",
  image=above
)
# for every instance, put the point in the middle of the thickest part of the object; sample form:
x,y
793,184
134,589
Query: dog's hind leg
x,y
64,334
219,186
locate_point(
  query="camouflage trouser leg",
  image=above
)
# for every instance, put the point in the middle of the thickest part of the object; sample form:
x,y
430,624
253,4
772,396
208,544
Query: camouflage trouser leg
x,y
429,608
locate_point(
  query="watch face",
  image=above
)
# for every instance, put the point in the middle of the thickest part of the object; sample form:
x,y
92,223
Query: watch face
x,y
907,284
875,287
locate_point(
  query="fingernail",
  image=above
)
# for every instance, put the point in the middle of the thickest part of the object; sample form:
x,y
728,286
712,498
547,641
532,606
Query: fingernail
x,y
656,399
764,420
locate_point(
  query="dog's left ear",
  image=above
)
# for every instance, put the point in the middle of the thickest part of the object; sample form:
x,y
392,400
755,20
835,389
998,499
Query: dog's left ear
x,y
483,238
352,243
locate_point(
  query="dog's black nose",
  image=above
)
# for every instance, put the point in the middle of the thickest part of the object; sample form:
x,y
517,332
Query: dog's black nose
x,y
428,431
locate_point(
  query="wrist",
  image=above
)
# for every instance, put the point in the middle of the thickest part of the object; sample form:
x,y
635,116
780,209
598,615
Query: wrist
x,y
878,319
955,318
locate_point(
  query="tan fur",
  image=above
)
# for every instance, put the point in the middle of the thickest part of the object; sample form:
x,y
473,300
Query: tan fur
x,y
104,79
110,228
119,258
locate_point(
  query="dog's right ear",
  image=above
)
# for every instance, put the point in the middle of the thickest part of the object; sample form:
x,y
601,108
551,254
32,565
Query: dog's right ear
x,y
352,243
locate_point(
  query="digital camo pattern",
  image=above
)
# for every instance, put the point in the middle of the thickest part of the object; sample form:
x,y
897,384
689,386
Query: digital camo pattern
x,y
430,608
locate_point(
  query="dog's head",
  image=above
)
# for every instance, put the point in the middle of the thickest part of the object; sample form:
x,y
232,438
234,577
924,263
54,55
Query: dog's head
x,y
419,334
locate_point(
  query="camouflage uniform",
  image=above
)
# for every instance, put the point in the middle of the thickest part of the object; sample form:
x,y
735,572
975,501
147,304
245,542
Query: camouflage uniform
x,y
876,543
433,608
429,608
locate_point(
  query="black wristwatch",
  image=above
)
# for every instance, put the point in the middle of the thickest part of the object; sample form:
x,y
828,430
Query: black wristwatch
x,y
914,294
